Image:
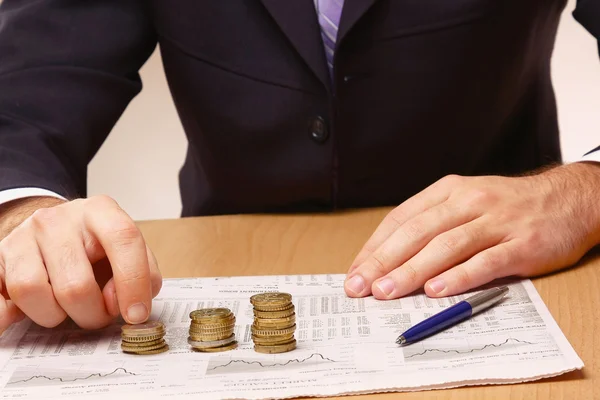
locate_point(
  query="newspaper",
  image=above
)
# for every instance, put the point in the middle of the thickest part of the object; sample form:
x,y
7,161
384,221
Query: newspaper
x,y
345,346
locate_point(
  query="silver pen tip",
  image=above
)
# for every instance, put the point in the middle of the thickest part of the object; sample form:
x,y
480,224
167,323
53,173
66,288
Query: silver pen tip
x,y
401,340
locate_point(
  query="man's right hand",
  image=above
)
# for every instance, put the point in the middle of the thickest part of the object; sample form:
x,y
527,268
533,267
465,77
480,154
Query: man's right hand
x,y
54,264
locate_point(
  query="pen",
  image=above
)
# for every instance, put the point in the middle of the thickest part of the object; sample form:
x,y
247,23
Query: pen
x,y
452,315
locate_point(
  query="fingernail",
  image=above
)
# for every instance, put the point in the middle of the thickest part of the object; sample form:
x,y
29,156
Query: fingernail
x,y
437,285
386,286
356,284
137,313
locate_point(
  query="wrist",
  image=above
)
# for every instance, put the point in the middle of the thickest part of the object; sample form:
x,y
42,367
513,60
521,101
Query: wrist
x,y
13,213
578,184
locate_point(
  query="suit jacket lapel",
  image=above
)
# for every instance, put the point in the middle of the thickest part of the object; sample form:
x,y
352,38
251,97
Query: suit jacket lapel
x,y
352,12
298,20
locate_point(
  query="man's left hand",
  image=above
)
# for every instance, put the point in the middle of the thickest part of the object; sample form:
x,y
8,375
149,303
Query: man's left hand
x,y
463,232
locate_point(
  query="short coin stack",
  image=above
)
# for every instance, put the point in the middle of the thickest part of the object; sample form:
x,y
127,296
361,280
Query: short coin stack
x,y
274,323
211,330
144,338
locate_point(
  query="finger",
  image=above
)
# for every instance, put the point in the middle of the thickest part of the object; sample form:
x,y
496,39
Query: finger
x,y
110,294
433,195
155,275
496,262
69,270
126,251
27,280
443,252
404,243
9,314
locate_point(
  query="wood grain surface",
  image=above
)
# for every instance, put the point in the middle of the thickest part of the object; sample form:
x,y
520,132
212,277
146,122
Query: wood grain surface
x,y
327,243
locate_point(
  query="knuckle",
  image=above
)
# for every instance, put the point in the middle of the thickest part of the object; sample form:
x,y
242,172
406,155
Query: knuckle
x,y
124,233
100,201
411,274
23,288
451,180
74,290
489,261
413,230
463,277
378,261
479,196
447,244
134,276
44,218
396,216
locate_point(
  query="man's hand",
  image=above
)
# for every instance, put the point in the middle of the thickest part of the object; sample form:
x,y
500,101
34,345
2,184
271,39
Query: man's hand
x,y
55,263
462,232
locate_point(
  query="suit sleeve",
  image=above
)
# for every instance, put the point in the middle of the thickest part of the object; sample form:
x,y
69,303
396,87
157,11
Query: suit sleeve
x,y
68,69
587,13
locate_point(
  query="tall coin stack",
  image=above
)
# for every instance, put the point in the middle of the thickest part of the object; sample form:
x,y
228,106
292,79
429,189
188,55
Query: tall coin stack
x,y
211,330
274,323
144,338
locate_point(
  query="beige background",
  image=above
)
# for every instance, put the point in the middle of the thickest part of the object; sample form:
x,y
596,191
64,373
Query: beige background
x,y
139,163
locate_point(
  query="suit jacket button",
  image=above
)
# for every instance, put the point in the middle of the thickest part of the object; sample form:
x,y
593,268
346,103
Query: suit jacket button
x,y
318,130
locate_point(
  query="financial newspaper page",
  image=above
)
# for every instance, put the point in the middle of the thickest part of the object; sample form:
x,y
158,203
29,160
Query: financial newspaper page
x,y
345,346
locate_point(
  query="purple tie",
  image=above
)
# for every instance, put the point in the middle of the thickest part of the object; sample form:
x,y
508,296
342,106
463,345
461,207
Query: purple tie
x,y
329,12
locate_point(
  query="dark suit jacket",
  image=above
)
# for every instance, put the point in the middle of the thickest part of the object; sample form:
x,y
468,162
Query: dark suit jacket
x,y
422,88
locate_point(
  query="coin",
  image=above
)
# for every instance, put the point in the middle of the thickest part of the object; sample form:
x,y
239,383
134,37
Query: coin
x,y
272,332
146,338
275,314
212,343
146,329
271,299
150,352
212,328
269,341
142,344
126,347
278,348
274,322
285,321
209,314
226,347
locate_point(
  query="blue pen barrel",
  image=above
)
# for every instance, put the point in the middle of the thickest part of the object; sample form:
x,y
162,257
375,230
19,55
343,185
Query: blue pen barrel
x,y
438,322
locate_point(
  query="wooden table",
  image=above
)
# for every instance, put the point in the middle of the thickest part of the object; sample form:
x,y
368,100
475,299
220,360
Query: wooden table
x,y
327,243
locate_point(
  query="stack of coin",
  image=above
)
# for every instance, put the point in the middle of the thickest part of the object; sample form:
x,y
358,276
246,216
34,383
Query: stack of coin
x,y
274,323
211,330
144,338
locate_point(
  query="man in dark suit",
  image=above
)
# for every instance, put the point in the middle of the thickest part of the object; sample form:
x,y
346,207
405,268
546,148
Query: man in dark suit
x,y
443,107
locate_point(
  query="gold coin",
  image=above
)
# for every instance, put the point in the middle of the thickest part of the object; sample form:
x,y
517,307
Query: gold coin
x,y
272,332
125,347
211,328
272,340
271,299
146,329
209,338
213,343
150,352
265,308
278,327
142,344
209,314
132,339
275,314
275,321
280,348
226,347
